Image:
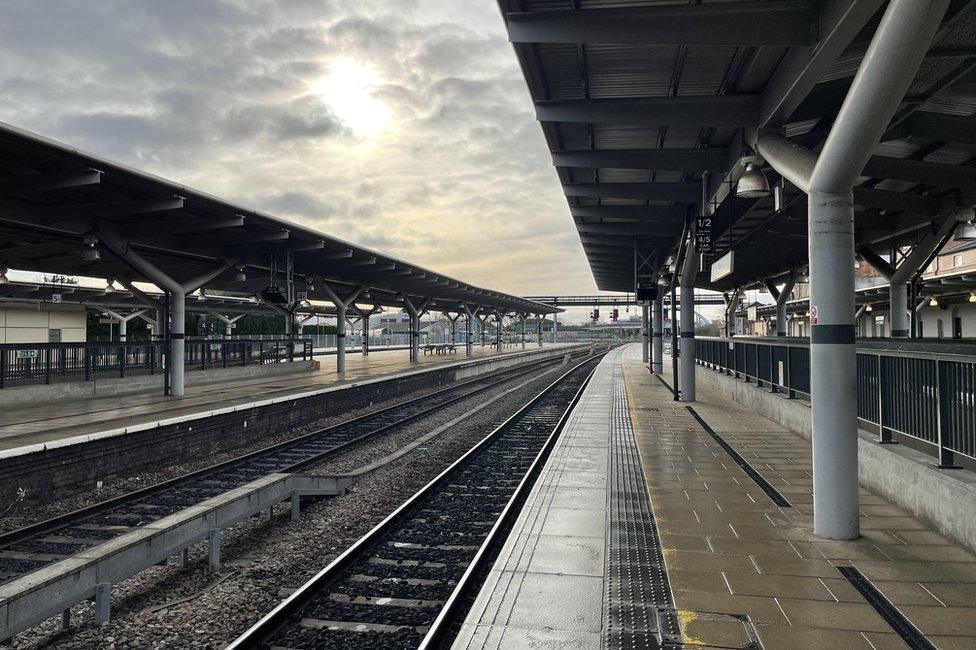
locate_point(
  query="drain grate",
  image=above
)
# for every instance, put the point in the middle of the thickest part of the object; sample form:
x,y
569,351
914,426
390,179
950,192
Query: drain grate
x,y
774,495
910,634
638,609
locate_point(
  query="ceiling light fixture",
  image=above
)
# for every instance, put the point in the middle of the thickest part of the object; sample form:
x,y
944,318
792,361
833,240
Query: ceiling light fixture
x,y
753,183
934,302
90,254
868,307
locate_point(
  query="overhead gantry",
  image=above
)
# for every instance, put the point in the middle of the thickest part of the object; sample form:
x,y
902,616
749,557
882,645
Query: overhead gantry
x,y
684,137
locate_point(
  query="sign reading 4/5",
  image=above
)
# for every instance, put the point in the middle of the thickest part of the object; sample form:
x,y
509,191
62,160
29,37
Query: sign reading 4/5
x,y
703,235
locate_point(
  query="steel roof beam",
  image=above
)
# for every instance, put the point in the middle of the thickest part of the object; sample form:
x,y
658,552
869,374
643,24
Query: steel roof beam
x,y
801,68
42,182
918,171
935,126
112,209
692,160
869,197
713,110
775,22
624,229
676,192
641,214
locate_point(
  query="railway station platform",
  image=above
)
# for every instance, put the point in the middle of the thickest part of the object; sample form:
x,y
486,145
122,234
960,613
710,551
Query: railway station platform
x,y
654,521
59,449
28,427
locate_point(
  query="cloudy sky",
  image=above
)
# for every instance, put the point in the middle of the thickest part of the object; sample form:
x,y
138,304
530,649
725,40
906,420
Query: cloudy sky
x,y
403,126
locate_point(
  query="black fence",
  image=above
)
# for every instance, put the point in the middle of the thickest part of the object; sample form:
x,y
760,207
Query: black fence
x,y
44,363
925,392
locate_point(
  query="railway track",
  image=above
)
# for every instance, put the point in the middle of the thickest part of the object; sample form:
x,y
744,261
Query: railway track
x,y
406,583
30,548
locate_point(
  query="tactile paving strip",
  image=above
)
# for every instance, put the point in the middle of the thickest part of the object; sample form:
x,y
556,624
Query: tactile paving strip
x,y
638,611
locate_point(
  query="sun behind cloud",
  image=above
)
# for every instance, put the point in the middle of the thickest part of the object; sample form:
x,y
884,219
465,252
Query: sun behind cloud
x,y
348,91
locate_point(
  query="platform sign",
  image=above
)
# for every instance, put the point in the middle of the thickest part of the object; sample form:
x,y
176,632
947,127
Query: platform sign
x,y
814,315
703,234
723,266
55,298
26,354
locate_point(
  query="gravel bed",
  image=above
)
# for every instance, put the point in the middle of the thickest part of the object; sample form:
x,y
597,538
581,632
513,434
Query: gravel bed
x,y
183,607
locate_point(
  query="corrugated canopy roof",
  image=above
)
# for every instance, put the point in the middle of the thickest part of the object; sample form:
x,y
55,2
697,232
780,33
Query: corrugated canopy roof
x,y
52,197
638,99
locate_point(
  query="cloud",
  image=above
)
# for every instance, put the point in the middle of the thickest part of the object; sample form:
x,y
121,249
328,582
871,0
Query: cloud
x,y
222,96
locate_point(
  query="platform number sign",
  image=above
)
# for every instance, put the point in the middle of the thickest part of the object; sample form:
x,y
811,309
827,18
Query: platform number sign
x,y
703,234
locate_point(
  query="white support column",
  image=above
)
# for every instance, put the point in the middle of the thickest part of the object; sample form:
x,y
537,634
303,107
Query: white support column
x,y
469,315
657,334
500,324
687,322
415,312
228,321
900,42
341,305
177,308
645,333
123,320
555,325
454,320
782,296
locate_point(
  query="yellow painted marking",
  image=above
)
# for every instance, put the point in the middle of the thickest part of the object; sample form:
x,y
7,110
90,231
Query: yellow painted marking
x,y
686,618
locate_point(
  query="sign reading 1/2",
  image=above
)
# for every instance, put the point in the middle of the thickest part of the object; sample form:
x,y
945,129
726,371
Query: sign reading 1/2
x,y
703,235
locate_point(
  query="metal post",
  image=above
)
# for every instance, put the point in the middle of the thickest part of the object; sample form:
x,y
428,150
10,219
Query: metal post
x,y
555,326
499,327
340,337
366,316
889,65
898,299
657,335
177,349
675,352
523,317
539,332
688,274
645,334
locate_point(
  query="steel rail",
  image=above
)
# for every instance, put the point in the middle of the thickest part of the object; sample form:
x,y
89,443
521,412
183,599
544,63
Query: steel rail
x,y
300,598
41,528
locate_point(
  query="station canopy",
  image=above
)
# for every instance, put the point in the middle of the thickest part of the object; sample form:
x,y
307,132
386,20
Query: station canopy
x,y
640,100
56,203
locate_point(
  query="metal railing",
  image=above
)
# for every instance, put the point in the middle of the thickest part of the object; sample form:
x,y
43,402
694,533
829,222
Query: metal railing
x,y
45,363
923,391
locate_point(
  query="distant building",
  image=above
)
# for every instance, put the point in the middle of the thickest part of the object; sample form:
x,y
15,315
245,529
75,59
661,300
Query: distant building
x,y
42,323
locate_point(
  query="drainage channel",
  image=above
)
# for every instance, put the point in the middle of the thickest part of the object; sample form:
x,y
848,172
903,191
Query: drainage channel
x,y
910,634
774,495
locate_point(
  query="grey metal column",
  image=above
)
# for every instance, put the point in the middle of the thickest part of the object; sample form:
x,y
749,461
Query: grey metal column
x,y
889,65
177,347
341,305
499,319
645,334
782,296
657,334
898,299
687,356
539,333
524,316
555,326
469,315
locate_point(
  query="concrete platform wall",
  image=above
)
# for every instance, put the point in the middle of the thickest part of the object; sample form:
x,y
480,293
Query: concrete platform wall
x,y
946,499
77,466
